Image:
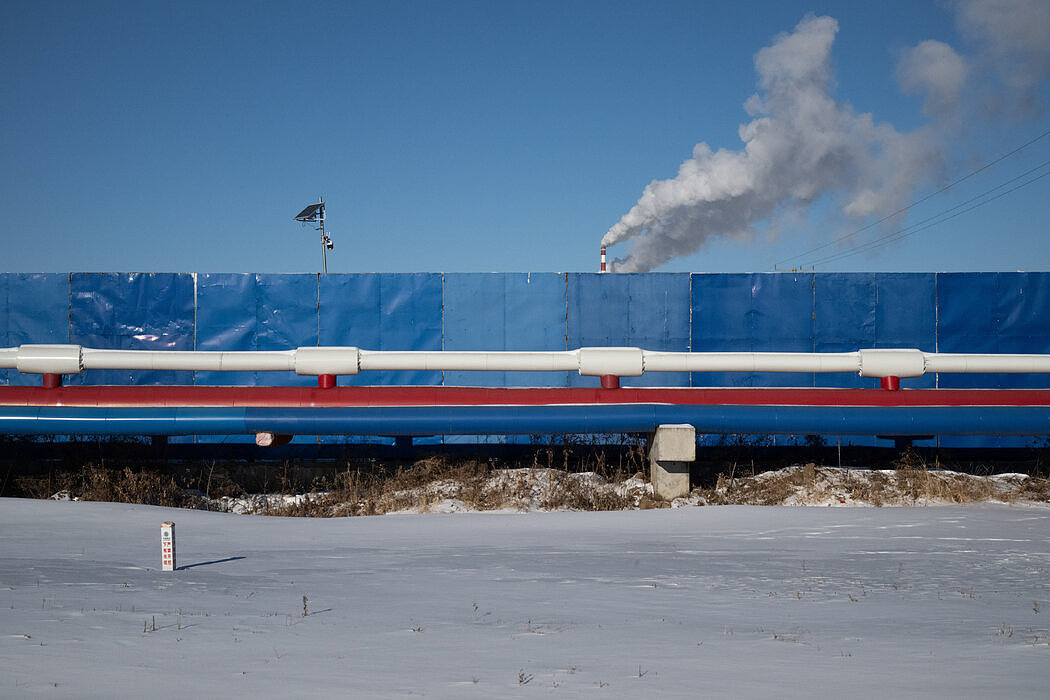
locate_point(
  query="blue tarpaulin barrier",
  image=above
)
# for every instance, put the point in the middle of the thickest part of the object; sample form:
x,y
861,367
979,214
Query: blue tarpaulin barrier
x,y
993,312
505,311
1003,312
650,311
34,308
752,313
255,312
843,320
388,311
148,311
802,312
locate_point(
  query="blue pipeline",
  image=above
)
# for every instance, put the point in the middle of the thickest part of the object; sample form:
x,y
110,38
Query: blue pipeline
x,y
507,420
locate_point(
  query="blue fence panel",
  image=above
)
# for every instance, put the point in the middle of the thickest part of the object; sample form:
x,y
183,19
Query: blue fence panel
x,y
1023,316
863,310
286,319
227,311
37,311
843,321
34,309
781,316
720,306
38,308
994,313
382,311
966,309
906,310
752,313
649,311
256,312
504,311
906,316
4,341
140,311
781,319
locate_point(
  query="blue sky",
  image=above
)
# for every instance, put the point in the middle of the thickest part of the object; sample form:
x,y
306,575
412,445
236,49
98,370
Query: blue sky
x,y
495,136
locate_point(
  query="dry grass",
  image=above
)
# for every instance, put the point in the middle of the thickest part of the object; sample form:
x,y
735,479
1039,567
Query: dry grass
x,y
556,478
438,484
99,483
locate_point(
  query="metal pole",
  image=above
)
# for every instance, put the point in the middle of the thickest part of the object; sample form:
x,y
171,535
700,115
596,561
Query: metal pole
x,y
324,251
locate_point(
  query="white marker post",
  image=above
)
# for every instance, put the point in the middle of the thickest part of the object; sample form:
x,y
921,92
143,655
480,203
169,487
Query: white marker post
x,y
167,546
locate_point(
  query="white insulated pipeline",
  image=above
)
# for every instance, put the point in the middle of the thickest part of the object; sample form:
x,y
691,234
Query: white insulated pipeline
x,y
466,361
599,361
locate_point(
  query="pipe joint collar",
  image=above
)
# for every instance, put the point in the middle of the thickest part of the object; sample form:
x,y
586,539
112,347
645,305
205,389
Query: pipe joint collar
x,y
50,359
318,361
892,363
623,362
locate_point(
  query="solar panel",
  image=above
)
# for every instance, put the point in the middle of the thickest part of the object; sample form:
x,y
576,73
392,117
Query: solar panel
x,y
310,213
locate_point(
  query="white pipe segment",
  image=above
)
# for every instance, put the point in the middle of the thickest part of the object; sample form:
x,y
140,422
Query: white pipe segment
x,y
623,362
972,364
751,362
8,358
200,360
452,360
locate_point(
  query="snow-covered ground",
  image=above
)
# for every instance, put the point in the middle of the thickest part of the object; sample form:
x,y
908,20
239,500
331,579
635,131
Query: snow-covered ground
x,y
728,601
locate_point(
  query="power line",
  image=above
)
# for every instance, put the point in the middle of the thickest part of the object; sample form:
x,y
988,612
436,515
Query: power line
x,y
918,225
938,218
917,202
934,220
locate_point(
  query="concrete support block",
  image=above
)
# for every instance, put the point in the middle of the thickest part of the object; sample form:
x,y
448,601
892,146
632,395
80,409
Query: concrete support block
x,y
672,452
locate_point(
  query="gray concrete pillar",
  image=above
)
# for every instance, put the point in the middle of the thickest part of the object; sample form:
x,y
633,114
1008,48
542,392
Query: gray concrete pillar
x,y
673,449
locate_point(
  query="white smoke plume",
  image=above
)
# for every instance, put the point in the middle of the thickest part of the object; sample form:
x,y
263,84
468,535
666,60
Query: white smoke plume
x,y
1012,41
935,70
802,144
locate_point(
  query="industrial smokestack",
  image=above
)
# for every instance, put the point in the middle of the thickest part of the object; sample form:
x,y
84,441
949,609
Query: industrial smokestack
x,y
602,268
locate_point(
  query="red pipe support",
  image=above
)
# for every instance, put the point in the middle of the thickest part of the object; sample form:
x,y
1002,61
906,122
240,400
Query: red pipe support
x,y
326,381
891,383
52,381
610,381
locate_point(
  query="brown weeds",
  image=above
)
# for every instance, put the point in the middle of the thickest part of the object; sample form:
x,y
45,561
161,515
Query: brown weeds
x,y
911,482
552,478
472,485
99,483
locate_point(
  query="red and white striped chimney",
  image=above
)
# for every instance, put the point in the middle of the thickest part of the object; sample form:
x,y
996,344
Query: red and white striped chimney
x,y
603,260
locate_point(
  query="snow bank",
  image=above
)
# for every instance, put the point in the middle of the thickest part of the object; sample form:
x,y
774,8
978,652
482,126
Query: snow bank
x,y
728,601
